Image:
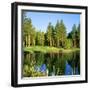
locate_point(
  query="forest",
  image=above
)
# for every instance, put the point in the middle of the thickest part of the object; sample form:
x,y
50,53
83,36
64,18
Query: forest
x,y
55,36
52,52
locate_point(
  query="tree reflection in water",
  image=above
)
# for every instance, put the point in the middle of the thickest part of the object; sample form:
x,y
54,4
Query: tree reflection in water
x,y
51,64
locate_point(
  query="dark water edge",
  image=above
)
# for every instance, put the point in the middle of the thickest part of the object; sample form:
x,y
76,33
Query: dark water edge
x,y
39,64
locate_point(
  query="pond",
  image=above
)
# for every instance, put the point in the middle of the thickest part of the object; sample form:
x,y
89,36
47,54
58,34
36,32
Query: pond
x,y
39,64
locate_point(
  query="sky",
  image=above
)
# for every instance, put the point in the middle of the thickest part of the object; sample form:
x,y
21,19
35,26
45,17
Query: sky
x,y
40,20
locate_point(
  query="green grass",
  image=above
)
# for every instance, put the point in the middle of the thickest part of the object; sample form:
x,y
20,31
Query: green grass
x,y
43,49
47,49
70,50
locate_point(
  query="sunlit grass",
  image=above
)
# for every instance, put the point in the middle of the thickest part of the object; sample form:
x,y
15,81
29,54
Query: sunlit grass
x,y
43,49
47,49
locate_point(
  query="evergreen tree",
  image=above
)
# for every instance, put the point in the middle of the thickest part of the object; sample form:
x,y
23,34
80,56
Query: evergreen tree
x,y
63,34
57,34
60,33
78,36
38,36
28,32
27,28
49,34
75,36
42,38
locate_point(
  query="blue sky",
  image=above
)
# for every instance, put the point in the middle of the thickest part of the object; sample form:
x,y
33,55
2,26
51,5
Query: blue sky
x,y
40,20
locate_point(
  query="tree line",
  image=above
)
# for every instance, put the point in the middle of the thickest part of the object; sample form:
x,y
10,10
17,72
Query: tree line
x,y
55,36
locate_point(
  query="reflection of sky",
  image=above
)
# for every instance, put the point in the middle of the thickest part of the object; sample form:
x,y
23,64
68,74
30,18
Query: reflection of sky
x,y
42,68
69,70
41,19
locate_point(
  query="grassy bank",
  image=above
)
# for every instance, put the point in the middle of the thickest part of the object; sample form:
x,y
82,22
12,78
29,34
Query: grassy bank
x,y
46,49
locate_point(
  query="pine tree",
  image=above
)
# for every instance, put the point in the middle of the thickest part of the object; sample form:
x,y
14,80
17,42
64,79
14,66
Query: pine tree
x,y
28,32
60,33
63,34
78,36
49,34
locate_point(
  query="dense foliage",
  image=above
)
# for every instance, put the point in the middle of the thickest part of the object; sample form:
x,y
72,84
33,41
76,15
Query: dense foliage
x,y
55,36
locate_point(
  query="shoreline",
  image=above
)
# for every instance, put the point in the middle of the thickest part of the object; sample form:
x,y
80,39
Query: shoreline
x,y
47,49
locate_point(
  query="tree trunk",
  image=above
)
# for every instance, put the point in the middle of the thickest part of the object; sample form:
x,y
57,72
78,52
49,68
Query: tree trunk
x,y
29,41
34,42
57,43
26,41
50,42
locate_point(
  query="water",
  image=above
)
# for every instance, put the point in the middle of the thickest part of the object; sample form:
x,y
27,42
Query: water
x,y
51,64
